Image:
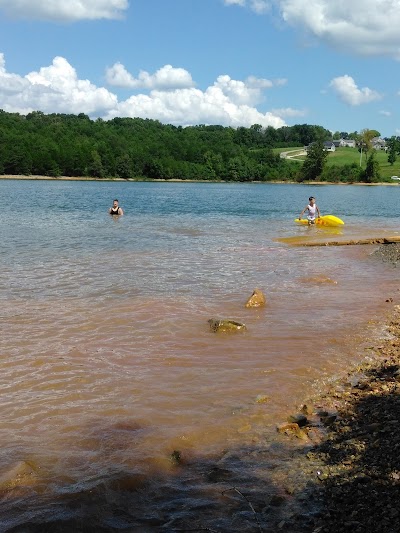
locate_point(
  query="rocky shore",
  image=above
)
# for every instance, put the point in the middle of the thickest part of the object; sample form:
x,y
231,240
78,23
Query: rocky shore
x,y
350,480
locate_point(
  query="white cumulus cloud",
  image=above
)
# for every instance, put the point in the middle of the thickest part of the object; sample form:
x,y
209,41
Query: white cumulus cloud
x,y
347,90
53,89
365,27
166,77
227,102
193,106
248,92
64,10
58,89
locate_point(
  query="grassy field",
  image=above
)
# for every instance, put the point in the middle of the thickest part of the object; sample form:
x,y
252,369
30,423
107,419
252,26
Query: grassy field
x,y
347,156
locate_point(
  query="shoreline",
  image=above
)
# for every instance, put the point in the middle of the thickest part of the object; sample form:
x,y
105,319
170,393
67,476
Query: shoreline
x,y
176,180
354,472
346,475
338,472
340,468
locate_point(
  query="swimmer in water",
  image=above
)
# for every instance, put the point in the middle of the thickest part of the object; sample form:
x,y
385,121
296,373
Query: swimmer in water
x,y
312,209
115,209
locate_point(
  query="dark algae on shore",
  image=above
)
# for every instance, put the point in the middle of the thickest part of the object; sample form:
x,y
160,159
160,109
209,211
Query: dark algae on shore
x,y
352,479
360,476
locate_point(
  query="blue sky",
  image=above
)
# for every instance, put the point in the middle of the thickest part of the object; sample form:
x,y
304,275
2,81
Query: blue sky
x,y
184,62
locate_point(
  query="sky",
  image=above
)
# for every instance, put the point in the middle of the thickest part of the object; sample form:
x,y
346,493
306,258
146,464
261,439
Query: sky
x,y
333,63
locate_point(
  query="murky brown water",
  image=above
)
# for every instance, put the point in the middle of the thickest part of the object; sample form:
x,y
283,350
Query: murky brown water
x,y
111,378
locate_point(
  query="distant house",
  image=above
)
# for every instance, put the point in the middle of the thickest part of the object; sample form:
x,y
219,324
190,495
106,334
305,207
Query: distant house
x,y
378,143
351,143
329,146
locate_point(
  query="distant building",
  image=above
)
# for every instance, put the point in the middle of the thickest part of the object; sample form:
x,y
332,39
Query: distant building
x,y
351,143
340,143
378,143
329,146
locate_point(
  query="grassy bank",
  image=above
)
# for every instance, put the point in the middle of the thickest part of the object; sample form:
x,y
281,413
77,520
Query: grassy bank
x,y
348,156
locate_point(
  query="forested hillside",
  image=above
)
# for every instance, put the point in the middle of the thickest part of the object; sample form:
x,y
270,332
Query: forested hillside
x,y
75,145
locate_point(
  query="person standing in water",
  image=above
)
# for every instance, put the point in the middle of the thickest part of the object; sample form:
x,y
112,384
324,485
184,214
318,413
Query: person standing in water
x,y
312,209
115,209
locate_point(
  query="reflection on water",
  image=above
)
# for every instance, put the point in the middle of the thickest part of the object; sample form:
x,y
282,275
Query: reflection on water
x,y
108,365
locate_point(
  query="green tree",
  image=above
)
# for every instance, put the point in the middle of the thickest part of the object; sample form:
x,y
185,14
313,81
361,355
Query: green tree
x,y
342,173
393,145
124,166
95,167
364,141
314,162
371,172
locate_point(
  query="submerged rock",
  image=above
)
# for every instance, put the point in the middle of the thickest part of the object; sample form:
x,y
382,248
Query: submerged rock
x,y
257,299
319,279
225,326
299,419
218,475
23,474
292,429
262,398
176,457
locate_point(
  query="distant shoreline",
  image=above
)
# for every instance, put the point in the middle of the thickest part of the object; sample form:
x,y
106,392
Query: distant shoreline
x,y
176,180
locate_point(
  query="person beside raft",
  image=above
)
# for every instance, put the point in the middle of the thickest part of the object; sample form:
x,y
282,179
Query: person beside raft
x,y
116,210
312,209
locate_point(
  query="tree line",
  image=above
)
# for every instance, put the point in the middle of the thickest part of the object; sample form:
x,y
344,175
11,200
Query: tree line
x,y
135,148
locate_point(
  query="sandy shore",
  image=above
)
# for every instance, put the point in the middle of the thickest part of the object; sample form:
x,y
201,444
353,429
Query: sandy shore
x,y
80,178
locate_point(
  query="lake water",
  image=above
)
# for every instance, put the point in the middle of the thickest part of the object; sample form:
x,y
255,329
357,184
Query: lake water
x,y
108,366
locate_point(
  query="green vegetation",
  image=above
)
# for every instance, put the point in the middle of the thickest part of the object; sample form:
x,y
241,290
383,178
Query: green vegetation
x,y
75,145
350,158
314,163
125,148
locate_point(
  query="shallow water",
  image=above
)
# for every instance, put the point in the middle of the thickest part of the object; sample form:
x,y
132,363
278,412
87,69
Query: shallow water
x,y
108,364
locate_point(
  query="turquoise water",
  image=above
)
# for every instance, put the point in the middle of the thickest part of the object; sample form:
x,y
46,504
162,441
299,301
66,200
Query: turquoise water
x,y
48,222
107,361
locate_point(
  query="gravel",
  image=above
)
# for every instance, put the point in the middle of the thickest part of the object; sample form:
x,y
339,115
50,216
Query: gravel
x,y
354,473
